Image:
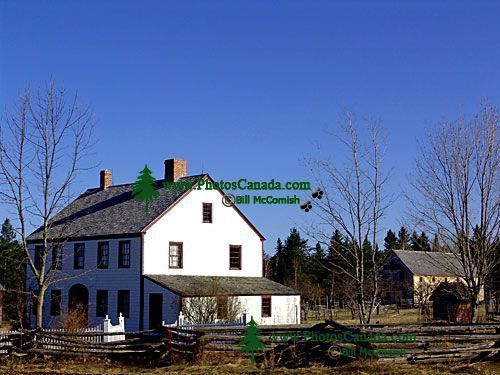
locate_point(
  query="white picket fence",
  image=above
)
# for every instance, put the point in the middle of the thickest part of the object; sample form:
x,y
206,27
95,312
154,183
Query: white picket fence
x,y
107,327
183,322
52,343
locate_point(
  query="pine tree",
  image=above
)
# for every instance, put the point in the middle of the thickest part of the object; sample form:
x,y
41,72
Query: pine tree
x,y
12,271
436,246
335,260
11,257
390,241
420,243
144,188
278,270
251,342
316,271
403,238
423,242
414,245
294,255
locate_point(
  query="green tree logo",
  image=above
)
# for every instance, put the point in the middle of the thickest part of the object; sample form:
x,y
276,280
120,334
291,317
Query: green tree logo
x,y
144,188
251,342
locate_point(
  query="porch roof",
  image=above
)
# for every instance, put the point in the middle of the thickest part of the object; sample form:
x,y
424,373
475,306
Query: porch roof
x,y
204,286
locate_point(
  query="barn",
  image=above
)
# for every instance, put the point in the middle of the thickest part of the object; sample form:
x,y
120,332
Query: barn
x,y
451,303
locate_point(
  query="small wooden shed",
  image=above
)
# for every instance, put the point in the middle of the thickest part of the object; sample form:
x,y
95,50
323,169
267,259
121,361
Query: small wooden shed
x,y
450,302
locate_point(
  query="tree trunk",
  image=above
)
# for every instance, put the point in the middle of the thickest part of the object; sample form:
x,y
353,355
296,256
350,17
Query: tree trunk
x,y
39,308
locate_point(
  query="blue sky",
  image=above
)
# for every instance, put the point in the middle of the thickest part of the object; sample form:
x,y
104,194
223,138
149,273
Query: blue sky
x,y
245,88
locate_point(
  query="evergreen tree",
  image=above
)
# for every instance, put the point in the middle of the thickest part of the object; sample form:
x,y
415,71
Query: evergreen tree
x,y
436,246
414,245
403,239
420,243
12,271
11,257
278,270
294,255
251,342
316,272
424,242
390,241
335,261
144,188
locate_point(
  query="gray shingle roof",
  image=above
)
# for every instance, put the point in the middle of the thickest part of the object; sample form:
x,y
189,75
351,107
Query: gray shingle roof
x,y
191,286
112,211
430,263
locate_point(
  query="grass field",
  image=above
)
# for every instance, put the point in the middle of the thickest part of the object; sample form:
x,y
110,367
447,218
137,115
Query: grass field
x,y
225,364
242,367
405,316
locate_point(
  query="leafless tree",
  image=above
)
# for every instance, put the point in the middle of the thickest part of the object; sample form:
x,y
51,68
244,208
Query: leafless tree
x,y
210,306
422,295
208,309
43,142
456,193
353,203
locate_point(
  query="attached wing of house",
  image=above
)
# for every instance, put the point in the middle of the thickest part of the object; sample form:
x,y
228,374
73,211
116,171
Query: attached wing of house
x,y
111,256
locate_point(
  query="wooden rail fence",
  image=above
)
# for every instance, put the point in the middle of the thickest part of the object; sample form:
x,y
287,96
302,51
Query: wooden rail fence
x,y
290,346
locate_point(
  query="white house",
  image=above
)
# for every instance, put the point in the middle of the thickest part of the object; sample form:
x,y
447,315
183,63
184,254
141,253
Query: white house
x,y
118,258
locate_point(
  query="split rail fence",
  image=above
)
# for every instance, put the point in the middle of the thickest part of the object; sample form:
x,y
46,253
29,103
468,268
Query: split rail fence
x,y
297,346
294,348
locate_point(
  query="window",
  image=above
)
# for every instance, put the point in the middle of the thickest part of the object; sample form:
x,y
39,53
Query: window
x,y
421,279
445,279
79,260
124,254
234,257
38,256
55,302
103,255
433,279
56,257
124,302
101,303
266,306
175,255
207,212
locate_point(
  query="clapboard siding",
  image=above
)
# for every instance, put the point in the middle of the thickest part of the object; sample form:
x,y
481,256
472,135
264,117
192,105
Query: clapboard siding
x,y
171,303
205,245
93,278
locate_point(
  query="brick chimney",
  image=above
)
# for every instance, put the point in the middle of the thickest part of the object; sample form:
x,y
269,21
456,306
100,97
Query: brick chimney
x,y
105,179
175,169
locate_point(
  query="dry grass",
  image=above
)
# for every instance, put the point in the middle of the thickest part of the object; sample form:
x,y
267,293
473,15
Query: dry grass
x,y
241,367
405,316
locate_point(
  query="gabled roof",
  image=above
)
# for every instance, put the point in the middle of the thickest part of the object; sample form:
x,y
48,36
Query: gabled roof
x,y
115,212
112,211
203,286
428,263
2,289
